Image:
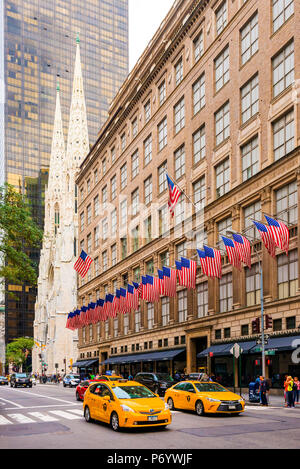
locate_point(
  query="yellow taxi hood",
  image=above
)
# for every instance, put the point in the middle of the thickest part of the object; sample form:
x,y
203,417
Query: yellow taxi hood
x,y
144,404
221,396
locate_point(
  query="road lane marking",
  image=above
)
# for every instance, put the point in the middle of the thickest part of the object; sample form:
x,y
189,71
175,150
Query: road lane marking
x,y
12,403
43,417
30,393
65,415
76,411
4,421
20,418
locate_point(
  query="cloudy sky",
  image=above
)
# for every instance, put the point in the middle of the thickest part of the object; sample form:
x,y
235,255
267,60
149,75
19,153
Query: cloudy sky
x,y
145,17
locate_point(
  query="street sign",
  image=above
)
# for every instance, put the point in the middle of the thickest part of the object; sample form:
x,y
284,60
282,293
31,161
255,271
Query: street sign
x,y
257,349
236,350
270,352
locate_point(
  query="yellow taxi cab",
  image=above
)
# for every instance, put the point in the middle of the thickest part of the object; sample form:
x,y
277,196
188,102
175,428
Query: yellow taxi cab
x,y
203,397
125,403
109,378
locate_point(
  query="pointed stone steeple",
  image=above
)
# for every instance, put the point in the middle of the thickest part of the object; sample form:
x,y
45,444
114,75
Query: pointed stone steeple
x,y
78,140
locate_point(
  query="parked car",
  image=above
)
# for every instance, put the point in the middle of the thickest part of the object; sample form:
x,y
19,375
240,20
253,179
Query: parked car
x,y
20,379
3,380
71,380
157,382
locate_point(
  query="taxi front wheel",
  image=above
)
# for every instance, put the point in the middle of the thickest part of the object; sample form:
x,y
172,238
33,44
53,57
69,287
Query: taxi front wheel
x,y
199,408
114,422
171,404
87,414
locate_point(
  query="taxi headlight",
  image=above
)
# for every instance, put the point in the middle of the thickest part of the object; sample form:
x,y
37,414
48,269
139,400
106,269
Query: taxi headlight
x,y
167,406
242,401
126,408
212,400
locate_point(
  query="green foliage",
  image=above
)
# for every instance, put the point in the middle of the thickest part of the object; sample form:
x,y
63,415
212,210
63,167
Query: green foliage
x,y
18,350
19,234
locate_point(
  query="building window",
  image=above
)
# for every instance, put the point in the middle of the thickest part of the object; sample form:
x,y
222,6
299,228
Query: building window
x,y
124,247
252,285
113,185
179,72
96,206
134,127
199,193
245,330
252,212
179,158
283,69
148,229
162,134
287,203
180,210
148,190
104,229
96,237
113,154
163,218
249,39
114,255
123,209
198,46
221,64
126,324
287,274
135,238
202,299
150,267
250,99
89,214
176,340
182,306
277,325
218,334
179,116
104,196
137,321
106,329
199,145
114,222
135,202
283,135
282,11
222,178
82,221
165,311
164,259
96,265
221,17
104,261
162,179
162,92
224,226
88,184
124,176
226,293
104,166
147,150
89,243
135,164
199,94
291,322
116,327
147,111
123,141
222,124
150,315
250,159
136,274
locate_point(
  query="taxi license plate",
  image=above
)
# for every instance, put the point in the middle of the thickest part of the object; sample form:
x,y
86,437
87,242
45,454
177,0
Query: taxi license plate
x,y
152,418
231,407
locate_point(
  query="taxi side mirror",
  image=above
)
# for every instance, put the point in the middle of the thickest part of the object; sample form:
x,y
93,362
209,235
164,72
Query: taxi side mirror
x,y
106,398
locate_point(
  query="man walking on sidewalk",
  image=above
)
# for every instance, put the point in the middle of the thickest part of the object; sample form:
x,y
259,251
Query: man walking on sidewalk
x,y
264,389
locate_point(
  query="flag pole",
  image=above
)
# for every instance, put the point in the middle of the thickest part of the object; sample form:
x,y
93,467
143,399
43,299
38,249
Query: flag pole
x,y
181,189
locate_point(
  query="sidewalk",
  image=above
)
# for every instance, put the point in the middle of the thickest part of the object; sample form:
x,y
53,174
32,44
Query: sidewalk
x,y
274,401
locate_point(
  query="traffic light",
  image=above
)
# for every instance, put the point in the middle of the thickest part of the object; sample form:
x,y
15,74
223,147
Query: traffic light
x,y
256,326
269,322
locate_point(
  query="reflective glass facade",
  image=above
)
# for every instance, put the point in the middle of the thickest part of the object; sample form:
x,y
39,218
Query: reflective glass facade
x,y
39,49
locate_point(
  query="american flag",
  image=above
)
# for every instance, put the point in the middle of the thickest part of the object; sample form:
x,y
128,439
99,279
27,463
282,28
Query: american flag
x,y
244,248
202,257
152,289
189,272
130,295
213,262
267,237
232,252
99,309
174,194
179,273
280,233
170,281
136,296
83,264
161,282
123,301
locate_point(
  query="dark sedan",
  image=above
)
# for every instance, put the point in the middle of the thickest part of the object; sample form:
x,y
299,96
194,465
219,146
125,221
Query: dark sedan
x,y
3,380
20,379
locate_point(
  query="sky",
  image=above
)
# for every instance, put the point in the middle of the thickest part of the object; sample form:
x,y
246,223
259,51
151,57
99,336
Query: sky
x,y
145,17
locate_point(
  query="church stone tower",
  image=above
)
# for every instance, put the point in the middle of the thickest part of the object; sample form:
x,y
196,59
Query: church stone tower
x,y
57,283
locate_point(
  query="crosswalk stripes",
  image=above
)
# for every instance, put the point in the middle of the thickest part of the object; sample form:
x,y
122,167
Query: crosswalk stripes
x,y
43,417
36,417
4,421
65,415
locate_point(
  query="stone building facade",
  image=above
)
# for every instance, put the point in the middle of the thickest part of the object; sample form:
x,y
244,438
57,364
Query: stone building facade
x,y
214,100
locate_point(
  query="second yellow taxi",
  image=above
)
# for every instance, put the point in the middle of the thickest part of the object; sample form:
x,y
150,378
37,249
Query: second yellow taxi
x,y
203,398
125,403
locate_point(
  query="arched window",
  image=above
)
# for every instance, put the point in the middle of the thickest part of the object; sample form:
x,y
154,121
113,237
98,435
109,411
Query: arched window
x,y
56,218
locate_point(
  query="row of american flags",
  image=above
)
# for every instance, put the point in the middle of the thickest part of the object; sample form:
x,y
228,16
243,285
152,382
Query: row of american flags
x,y
152,288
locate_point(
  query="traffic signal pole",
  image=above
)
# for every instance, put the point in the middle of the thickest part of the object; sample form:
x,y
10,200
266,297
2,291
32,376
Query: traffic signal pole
x,y
263,353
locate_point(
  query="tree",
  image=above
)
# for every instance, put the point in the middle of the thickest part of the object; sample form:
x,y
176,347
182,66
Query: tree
x,y
19,234
18,350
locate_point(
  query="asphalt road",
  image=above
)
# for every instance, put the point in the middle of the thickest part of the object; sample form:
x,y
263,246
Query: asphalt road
x,y
49,417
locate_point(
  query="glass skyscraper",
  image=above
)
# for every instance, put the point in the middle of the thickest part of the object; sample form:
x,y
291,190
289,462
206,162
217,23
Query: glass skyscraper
x,y
37,49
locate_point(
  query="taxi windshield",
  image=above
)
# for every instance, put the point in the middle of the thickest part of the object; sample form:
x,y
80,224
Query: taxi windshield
x,y
209,387
114,378
21,375
132,392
